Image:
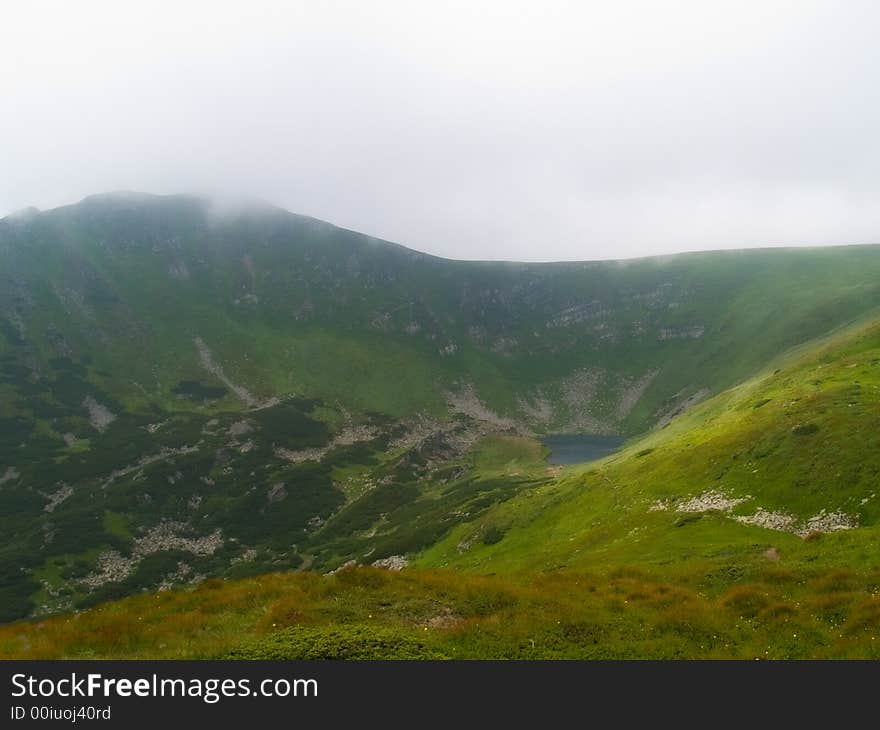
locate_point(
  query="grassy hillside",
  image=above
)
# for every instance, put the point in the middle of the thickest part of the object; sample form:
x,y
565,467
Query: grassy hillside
x,y
787,462
124,284
189,392
745,529
366,613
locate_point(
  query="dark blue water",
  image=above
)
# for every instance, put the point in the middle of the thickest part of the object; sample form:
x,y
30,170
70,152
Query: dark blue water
x,y
574,448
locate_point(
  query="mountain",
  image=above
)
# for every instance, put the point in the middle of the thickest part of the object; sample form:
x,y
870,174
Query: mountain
x,y
285,304
193,390
782,467
745,529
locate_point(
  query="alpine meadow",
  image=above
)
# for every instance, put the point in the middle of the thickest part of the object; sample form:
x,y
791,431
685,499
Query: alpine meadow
x,y
237,432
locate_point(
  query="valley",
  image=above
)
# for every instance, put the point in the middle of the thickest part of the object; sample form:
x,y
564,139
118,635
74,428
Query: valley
x,y
255,434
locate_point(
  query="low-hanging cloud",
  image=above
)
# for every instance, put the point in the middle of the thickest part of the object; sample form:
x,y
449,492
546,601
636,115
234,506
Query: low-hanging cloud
x,y
515,130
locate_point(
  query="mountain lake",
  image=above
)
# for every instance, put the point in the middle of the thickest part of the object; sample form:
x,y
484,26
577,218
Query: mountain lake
x,y
576,448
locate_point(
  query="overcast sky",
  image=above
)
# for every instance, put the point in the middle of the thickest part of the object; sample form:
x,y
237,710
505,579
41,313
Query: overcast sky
x,y
518,130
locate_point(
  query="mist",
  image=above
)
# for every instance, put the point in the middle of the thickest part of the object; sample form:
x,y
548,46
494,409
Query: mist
x,y
498,130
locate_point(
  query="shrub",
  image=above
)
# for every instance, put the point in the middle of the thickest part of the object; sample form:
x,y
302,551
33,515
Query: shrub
x,y
746,600
15,602
493,535
777,611
835,581
197,390
865,617
353,642
804,429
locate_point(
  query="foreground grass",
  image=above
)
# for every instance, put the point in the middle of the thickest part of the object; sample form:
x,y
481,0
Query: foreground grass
x,y
769,612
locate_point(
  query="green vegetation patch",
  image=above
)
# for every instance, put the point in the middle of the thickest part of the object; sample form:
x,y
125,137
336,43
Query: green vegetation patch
x,y
344,642
197,390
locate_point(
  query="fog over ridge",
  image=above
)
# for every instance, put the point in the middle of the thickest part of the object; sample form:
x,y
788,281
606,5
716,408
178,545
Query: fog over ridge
x,y
496,130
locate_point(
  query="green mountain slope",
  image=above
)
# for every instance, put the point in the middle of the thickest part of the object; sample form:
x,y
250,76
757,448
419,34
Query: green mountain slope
x,y
125,284
188,391
784,467
745,529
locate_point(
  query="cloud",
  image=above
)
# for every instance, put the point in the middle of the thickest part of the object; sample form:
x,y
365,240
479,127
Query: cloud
x,y
559,130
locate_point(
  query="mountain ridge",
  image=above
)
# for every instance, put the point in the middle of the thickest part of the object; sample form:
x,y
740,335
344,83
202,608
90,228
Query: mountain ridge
x,y
184,394
232,203
506,313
